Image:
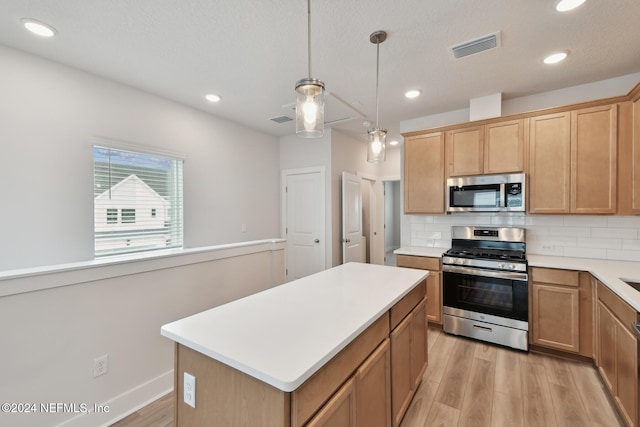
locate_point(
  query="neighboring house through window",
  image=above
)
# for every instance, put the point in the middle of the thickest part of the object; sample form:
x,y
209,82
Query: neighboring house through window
x,y
137,201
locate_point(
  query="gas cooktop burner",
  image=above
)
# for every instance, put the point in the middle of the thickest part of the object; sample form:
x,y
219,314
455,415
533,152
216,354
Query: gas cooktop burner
x,y
487,247
484,253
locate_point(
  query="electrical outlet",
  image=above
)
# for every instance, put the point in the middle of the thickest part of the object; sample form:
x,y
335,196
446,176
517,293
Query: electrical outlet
x,y
189,390
100,365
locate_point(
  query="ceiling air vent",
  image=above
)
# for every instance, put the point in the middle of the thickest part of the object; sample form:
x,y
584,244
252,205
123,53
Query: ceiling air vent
x,y
281,119
487,42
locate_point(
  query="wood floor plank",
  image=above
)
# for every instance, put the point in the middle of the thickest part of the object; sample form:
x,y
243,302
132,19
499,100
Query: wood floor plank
x,y
439,357
507,410
455,377
486,351
593,395
558,371
478,396
441,415
567,406
508,380
538,407
420,405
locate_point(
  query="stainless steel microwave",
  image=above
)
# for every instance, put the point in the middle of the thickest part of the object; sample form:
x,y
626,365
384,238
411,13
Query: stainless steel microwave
x,y
486,193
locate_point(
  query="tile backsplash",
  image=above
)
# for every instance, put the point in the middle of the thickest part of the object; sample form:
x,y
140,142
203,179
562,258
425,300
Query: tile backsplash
x,y
605,237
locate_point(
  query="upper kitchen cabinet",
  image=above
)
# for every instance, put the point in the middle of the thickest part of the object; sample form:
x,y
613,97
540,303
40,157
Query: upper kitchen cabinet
x,y
572,161
487,149
549,163
629,157
594,146
424,173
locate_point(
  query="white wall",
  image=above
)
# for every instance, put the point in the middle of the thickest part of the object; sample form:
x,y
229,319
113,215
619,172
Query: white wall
x,y
50,337
49,117
607,237
51,113
571,95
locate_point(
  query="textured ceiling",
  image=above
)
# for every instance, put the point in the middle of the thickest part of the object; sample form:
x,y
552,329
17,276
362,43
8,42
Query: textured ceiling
x,y
252,52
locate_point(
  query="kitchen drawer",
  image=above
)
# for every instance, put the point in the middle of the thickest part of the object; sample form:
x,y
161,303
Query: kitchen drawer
x,y
623,311
555,276
403,307
419,262
311,395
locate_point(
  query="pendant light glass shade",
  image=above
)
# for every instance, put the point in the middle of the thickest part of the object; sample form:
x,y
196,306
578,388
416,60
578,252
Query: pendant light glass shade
x,y
377,147
310,97
310,108
376,152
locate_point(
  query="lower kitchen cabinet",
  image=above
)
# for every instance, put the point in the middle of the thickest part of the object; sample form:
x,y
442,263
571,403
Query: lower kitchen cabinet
x,y
618,352
561,310
408,360
373,389
434,282
340,411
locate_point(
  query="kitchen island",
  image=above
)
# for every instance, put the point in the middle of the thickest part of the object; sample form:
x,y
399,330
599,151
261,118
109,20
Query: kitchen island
x,y
299,353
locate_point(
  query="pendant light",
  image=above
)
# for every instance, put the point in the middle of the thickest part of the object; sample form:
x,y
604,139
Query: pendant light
x,y
310,97
377,136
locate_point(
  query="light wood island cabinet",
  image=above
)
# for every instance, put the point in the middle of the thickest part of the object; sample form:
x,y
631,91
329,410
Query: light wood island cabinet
x,y
486,149
424,173
300,354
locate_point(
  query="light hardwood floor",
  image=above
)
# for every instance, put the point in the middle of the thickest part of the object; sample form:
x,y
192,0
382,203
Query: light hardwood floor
x,y
470,383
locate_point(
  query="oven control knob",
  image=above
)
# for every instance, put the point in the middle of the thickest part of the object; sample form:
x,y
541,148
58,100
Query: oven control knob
x,y
512,266
460,261
501,265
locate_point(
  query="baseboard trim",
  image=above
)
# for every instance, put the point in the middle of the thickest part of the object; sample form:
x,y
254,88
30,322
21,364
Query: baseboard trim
x,y
125,404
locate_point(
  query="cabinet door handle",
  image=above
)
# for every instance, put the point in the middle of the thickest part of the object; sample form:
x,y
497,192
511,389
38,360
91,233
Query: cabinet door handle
x,y
635,327
317,241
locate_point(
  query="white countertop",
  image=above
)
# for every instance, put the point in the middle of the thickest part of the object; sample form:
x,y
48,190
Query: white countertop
x,y
420,251
608,272
283,335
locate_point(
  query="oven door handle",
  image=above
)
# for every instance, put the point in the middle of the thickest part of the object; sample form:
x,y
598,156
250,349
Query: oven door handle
x,y
511,275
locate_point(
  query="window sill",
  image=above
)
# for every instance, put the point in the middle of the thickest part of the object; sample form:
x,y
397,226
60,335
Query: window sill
x,y
20,281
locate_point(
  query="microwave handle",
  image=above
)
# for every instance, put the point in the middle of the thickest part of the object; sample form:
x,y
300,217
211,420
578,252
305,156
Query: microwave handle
x,y
503,192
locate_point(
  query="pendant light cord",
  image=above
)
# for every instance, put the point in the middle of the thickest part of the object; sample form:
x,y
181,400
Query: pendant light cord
x,y
309,34
377,74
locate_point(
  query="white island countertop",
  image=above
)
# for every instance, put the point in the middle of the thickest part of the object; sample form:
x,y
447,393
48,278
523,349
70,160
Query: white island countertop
x,y
283,335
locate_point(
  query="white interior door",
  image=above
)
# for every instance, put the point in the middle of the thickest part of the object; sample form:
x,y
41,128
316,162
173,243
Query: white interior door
x,y
304,226
352,249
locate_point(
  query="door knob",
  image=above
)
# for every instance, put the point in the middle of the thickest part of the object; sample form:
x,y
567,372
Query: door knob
x,y
317,240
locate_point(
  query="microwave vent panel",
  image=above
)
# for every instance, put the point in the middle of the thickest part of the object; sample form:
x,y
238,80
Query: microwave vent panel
x,y
488,42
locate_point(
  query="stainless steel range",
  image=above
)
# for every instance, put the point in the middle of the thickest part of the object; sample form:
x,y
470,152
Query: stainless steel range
x,y
485,285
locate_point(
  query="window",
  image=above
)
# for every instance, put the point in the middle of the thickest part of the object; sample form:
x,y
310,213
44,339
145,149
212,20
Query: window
x,y
112,216
146,190
128,216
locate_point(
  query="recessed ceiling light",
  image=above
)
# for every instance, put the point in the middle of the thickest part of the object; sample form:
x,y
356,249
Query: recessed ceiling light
x,y
555,58
39,28
212,97
566,5
413,93
393,142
